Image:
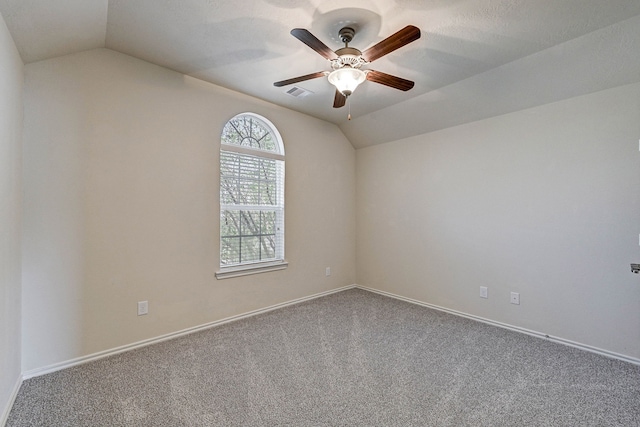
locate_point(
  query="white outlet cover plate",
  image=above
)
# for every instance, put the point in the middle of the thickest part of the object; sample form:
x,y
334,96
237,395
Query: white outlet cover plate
x,y
484,292
515,298
143,307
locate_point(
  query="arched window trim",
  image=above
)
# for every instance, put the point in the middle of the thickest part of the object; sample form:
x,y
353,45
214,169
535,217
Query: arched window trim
x,y
242,150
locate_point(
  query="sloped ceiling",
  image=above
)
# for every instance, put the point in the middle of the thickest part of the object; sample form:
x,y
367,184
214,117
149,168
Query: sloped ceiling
x,y
475,59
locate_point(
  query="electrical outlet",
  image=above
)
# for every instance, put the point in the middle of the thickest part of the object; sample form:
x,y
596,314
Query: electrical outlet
x,y
143,308
515,298
484,292
327,271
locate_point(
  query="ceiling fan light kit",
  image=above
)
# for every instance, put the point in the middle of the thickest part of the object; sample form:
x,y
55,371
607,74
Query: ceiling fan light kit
x,y
347,79
347,61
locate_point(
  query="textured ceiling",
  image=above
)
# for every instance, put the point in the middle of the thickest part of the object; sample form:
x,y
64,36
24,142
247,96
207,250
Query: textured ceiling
x,y
476,58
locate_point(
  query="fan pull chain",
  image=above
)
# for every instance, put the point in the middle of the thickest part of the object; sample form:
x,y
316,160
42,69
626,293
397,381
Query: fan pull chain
x,y
349,106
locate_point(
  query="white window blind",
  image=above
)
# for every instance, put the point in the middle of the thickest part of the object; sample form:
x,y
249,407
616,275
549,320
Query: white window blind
x,y
251,193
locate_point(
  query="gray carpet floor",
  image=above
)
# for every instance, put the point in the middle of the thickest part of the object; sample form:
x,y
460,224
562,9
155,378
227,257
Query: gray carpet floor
x,y
353,358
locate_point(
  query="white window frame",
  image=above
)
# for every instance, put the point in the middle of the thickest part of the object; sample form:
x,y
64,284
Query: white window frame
x,y
279,263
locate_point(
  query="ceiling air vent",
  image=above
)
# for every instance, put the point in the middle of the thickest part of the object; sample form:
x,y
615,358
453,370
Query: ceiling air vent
x,y
298,92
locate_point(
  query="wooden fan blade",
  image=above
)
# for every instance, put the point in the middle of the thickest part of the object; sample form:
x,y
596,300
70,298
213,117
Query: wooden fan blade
x,y
299,79
395,41
312,41
389,80
339,99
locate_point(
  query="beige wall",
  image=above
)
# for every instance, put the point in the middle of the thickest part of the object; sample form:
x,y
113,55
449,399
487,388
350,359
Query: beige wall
x,y
11,81
121,205
543,202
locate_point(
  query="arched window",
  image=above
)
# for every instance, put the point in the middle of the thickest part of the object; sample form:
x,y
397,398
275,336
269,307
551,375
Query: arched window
x,y
251,197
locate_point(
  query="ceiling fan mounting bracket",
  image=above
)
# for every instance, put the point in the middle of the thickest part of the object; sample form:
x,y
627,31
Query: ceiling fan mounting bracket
x,y
346,34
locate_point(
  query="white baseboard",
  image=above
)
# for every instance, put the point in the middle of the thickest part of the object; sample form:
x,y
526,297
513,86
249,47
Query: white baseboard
x,y
536,334
4,416
106,353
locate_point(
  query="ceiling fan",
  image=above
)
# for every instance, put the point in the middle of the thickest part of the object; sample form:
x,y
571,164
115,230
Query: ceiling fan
x,y
346,62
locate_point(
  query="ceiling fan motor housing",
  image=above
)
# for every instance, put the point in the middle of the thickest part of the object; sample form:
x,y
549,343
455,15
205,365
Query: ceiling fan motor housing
x,y
348,57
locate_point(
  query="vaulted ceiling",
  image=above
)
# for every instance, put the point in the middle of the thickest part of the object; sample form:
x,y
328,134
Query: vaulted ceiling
x,y
475,59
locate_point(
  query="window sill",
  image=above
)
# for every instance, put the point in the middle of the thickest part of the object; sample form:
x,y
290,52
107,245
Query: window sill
x,y
245,270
